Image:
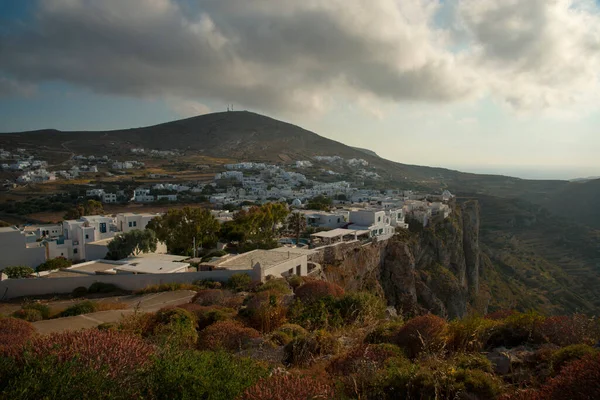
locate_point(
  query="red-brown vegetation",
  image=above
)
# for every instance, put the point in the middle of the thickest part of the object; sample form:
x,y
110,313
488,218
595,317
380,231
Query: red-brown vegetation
x,y
573,329
118,352
422,334
14,333
210,297
289,387
315,290
265,311
228,335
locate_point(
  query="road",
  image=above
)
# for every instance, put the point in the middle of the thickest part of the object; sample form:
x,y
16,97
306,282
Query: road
x,y
145,303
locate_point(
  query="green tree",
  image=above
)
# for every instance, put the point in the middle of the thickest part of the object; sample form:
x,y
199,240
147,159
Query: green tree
x,y
18,271
54,263
179,227
297,224
320,202
132,243
258,224
90,207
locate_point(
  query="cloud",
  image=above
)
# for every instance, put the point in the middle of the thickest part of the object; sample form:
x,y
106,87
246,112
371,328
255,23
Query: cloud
x,y
187,108
11,87
291,57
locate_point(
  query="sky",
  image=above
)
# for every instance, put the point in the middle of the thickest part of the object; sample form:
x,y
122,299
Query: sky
x,y
489,86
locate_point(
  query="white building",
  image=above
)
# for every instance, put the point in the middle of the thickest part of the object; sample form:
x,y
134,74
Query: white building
x,y
143,196
78,233
373,220
129,221
16,250
329,220
109,198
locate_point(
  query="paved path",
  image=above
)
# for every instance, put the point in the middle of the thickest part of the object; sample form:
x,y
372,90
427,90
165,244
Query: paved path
x,y
145,303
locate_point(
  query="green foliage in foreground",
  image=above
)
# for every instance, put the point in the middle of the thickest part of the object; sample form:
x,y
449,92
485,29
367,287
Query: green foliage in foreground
x,y
18,271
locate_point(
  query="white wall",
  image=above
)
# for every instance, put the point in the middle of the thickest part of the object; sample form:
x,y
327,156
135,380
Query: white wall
x,y
13,251
283,269
12,288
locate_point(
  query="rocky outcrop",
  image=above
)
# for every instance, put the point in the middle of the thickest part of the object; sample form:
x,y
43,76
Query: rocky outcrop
x,y
433,269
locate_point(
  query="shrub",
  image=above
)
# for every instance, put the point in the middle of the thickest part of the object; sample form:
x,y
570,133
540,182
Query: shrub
x,y
476,382
286,333
208,284
14,333
173,326
470,333
55,263
201,375
210,297
579,380
316,290
568,330
101,287
80,291
28,314
84,364
361,308
85,307
473,361
363,357
320,314
422,334
108,326
279,286
208,315
18,271
289,387
517,329
295,281
500,314
166,287
227,335
42,308
265,311
385,332
567,354
239,282
304,350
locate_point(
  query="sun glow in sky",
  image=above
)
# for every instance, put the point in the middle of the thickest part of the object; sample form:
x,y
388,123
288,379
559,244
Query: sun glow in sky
x,y
492,86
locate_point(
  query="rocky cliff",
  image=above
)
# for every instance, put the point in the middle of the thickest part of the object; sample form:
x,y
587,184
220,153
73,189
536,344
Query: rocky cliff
x,y
432,269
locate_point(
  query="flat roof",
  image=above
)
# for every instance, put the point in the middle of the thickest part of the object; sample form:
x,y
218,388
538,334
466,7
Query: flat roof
x,y
266,258
339,232
9,229
156,257
151,266
103,241
296,250
92,266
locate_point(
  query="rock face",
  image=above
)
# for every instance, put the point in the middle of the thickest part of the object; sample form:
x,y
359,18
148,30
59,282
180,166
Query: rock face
x,y
433,269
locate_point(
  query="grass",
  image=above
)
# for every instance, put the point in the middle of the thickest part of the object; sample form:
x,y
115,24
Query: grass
x,y
167,287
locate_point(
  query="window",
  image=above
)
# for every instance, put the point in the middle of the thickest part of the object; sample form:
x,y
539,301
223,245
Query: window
x,y
134,223
103,227
378,219
87,236
338,220
130,224
75,251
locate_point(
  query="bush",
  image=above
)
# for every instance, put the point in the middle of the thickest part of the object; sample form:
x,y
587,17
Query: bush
x,y
422,334
579,380
173,327
567,354
166,287
101,287
473,361
470,333
361,308
316,290
85,307
289,387
28,314
208,315
279,286
201,375
227,335
385,332
208,284
321,314
286,333
211,297
239,282
568,330
304,350
265,311
42,308
84,364
55,263
14,333
517,329
18,271
295,281
80,291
